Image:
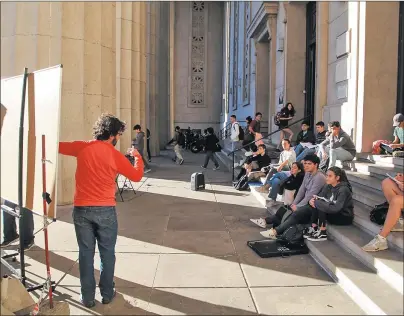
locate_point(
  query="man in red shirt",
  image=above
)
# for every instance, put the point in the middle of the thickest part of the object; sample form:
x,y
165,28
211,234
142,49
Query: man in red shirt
x,y
94,215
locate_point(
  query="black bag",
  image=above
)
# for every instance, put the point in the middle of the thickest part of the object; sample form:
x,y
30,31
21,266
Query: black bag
x,y
277,120
293,235
378,213
277,248
240,133
242,184
181,139
218,148
197,181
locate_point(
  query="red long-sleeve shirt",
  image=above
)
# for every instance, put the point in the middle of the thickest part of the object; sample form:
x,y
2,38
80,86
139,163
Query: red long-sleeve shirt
x,y
98,164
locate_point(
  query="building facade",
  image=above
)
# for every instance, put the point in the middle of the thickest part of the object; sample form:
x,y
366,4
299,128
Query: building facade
x,y
335,60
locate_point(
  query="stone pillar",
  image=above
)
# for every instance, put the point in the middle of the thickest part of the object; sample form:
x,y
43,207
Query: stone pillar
x,y
321,59
172,67
377,78
262,79
271,26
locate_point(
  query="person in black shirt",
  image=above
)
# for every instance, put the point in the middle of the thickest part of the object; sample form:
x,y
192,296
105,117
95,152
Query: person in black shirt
x,y
287,114
256,162
304,136
211,147
320,137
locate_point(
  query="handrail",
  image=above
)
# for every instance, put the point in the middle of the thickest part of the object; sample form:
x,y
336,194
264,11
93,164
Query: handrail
x,y
264,137
270,134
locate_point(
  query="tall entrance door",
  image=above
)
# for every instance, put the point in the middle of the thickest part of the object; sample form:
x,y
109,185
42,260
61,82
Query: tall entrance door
x,y
400,78
310,60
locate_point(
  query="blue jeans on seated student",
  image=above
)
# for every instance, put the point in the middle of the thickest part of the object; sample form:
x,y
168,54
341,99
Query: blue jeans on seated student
x,y
96,223
298,149
275,183
304,153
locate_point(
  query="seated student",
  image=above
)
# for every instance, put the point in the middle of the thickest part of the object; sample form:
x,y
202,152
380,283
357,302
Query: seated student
x,y
292,185
313,182
398,142
286,159
259,160
394,193
338,146
338,209
320,137
304,136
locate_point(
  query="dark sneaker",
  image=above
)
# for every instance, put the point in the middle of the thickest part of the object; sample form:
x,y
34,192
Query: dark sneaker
x,y
216,168
181,161
6,243
29,245
309,232
173,159
89,304
320,235
107,301
203,167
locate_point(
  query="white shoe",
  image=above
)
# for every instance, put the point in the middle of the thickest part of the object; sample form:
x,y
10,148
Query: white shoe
x,y
378,243
248,153
236,165
216,168
399,227
270,233
259,222
147,170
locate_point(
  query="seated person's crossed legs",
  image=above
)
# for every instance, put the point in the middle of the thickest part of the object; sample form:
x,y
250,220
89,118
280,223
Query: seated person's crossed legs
x,y
394,195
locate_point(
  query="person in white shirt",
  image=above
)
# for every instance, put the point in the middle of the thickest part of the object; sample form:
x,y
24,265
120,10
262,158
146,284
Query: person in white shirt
x,y
234,134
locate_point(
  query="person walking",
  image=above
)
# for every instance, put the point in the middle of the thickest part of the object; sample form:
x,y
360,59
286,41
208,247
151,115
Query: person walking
x,y
287,113
211,141
235,133
94,214
138,143
178,141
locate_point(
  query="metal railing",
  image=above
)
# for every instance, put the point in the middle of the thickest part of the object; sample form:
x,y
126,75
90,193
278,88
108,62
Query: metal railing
x,y
264,137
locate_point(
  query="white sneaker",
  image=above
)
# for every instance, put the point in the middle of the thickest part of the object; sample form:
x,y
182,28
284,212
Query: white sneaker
x,y
378,243
248,153
399,227
270,233
259,222
147,170
236,165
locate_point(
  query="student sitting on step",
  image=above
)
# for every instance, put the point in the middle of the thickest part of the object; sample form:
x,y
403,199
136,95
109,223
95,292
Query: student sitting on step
x,y
334,205
289,189
255,163
313,182
304,137
393,191
275,171
398,142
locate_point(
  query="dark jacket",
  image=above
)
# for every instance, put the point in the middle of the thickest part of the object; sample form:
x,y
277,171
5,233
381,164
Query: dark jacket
x,y
262,161
210,142
320,137
292,183
340,198
176,138
308,138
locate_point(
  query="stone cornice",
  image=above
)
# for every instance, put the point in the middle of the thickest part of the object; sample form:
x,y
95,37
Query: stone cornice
x,y
259,21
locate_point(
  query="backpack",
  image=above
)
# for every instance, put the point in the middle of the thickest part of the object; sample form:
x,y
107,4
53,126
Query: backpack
x,y
378,213
242,184
277,120
240,133
293,235
181,139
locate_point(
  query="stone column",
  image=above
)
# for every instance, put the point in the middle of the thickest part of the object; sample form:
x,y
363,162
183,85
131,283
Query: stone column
x,y
271,26
262,79
321,59
172,66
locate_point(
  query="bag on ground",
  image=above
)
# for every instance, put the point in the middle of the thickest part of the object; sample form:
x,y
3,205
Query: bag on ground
x,y
293,235
242,184
378,214
197,181
277,248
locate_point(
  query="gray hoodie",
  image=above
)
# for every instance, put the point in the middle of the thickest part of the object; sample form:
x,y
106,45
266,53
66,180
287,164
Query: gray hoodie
x,y
312,185
343,140
340,198
138,141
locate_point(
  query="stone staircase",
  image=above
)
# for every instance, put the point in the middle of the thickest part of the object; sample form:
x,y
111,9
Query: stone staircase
x,y
374,281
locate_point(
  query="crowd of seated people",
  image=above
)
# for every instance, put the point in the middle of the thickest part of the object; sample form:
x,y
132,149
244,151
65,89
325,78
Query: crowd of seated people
x,y
321,198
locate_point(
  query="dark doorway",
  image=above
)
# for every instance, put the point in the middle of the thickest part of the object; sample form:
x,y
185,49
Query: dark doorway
x,y
310,85
400,77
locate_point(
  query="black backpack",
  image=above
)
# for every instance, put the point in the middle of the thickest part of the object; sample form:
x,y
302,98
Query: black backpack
x,y
240,133
242,184
293,235
277,117
378,213
181,139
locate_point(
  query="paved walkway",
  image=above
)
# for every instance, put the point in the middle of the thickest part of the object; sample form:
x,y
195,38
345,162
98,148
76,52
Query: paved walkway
x,y
181,252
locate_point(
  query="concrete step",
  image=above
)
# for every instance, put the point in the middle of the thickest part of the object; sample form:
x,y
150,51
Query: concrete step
x,y
365,180
367,195
387,264
377,170
362,221
381,159
372,294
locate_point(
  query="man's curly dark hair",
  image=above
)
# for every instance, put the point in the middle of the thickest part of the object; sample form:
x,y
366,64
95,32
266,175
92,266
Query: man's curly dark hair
x,y
106,126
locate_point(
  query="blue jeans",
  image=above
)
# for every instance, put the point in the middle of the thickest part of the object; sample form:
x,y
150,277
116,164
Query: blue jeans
x,y
275,183
298,149
304,153
96,223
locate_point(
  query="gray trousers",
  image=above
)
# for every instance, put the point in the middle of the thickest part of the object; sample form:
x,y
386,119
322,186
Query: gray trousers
x,y
338,154
146,164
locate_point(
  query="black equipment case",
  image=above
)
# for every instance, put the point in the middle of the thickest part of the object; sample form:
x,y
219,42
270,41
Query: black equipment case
x,y
197,181
276,248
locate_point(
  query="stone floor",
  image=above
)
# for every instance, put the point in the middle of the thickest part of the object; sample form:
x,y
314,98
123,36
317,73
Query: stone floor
x,y
181,252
